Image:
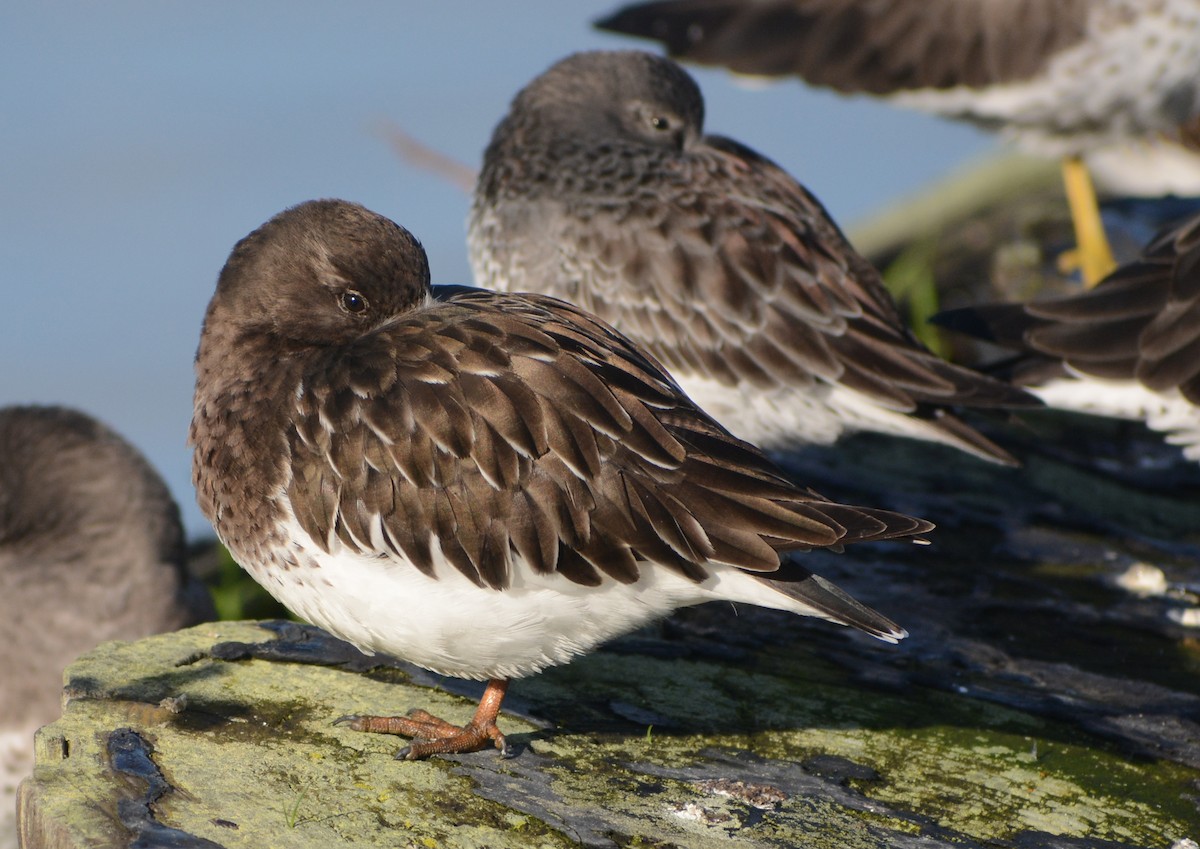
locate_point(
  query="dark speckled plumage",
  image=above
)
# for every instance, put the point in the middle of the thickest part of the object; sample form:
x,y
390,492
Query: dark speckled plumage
x,y
600,188
541,421
1140,327
359,434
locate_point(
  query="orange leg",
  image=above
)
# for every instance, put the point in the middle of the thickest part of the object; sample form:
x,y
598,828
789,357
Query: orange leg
x,y
434,736
1093,254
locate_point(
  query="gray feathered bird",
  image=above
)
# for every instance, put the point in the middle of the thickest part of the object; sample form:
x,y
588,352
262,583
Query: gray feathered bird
x,y
600,187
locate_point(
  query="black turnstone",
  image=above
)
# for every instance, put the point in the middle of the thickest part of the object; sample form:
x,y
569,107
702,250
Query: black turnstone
x,y
600,188
91,549
483,484
1129,348
1060,77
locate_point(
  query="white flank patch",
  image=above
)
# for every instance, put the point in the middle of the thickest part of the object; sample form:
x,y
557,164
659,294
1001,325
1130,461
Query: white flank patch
x,y
1167,412
1146,168
449,625
767,418
776,420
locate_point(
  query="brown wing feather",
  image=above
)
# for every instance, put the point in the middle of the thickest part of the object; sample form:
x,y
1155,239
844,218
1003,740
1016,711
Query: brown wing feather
x,y
604,461
749,281
861,46
1142,322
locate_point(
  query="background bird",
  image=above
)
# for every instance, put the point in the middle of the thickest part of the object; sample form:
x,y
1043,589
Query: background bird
x,y
1129,348
91,549
1062,78
599,187
483,484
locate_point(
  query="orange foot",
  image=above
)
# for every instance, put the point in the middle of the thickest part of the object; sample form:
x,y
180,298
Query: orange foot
x,y
434,736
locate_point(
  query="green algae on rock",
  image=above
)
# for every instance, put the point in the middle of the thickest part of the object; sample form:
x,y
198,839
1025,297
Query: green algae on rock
x,y
251,758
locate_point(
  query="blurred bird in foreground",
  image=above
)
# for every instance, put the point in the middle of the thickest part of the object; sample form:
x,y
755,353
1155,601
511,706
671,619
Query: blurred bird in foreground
x,y
482,484
1129,348
600,188
91,549
1068,78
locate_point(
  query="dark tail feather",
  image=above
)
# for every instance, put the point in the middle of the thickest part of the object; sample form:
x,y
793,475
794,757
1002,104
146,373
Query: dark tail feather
x,y
1002,324
814,591
1007,326
969,439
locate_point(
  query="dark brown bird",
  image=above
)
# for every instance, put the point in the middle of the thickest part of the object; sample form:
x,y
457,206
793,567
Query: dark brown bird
x,y
1129,348
1060,77
600,187
482,484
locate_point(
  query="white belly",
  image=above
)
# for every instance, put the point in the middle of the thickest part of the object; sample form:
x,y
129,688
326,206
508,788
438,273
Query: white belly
x,y
449,625
772,420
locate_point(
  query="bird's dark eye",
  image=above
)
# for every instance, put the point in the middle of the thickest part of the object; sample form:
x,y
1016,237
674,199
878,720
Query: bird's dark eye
x,y
353,303
660,123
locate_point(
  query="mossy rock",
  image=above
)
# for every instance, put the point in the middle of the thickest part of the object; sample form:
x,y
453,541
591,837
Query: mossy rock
x,y
650,744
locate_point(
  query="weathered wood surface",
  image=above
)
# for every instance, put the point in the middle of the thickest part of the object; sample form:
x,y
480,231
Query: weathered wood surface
x,y
1037,702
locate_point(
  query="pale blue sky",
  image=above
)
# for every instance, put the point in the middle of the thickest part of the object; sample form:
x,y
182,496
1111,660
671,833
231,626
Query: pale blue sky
x,y
140,140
